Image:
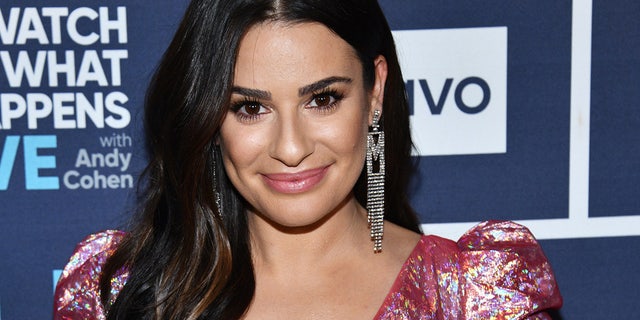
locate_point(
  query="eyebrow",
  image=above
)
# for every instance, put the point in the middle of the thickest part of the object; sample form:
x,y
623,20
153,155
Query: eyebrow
x,y
313,87
253,93
321,84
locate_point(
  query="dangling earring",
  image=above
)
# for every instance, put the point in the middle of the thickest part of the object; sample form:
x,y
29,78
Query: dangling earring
x,y
375,182
216,194
218,203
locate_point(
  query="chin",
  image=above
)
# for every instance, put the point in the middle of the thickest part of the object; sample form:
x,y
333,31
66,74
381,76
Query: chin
x,y
292,217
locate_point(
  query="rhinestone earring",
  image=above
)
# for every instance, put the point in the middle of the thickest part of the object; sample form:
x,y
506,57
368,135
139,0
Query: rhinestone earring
x,y
375,182
218,202
216,193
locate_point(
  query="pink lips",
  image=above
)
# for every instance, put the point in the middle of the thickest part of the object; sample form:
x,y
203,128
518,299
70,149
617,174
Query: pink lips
x,y
295,182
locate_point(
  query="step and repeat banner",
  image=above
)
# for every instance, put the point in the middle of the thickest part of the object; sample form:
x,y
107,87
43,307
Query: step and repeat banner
x,y
520,110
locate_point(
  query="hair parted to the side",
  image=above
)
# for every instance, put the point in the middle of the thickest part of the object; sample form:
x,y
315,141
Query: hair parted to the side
x,y
185,259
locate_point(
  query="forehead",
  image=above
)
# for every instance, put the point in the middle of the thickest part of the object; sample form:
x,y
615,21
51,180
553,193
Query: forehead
x,y
283,53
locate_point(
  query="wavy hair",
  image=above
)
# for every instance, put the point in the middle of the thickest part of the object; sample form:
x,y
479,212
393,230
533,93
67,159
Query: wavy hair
x,y
186,259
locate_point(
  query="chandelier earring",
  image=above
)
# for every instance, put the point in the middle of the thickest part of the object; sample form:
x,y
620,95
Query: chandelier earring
x,y
375,182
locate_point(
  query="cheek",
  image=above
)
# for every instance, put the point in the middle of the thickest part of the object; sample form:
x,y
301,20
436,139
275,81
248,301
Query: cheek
x,y
240,148
354,132
355,138
348,137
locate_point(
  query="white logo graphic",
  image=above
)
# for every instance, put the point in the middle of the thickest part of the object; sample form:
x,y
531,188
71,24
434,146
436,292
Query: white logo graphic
x,y
578,223
457,85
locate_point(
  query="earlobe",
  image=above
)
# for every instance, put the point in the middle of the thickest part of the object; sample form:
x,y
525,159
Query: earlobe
x,y
377,92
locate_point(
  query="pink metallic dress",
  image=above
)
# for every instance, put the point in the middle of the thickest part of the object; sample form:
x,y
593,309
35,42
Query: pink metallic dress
x,y
495,271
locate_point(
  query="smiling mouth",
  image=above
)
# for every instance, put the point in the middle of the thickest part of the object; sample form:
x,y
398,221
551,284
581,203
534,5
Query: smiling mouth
x,y
295,182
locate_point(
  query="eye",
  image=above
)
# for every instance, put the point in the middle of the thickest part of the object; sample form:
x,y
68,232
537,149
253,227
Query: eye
x,y
248,110
252,108
325,100
322,100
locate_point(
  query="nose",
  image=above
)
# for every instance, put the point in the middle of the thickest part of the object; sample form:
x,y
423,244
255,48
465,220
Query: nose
x,y
291,143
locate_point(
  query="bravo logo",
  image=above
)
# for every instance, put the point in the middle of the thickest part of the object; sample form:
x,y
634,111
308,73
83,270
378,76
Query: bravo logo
x,y
456,82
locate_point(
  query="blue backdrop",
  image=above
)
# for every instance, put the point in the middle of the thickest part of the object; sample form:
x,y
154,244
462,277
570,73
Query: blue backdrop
x,y
522,110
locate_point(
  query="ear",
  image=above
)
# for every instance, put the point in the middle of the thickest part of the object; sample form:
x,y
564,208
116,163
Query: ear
x,y
377,92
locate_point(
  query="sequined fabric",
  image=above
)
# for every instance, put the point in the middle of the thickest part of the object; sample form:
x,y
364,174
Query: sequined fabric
x,y
496,271
77,293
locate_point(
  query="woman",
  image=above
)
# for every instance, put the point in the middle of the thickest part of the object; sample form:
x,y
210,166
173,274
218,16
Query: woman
x,y
271,126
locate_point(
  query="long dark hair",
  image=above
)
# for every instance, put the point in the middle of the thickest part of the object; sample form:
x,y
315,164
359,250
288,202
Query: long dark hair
x,y
186,259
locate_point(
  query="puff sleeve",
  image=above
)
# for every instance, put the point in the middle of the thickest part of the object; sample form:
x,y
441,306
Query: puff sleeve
x,y
495,271
77,294
505,274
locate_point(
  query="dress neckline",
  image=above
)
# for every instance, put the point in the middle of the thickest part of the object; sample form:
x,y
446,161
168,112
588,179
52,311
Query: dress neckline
x,y
397,282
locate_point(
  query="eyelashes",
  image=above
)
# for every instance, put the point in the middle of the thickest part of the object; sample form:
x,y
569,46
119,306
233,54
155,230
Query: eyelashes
x,y
325,101
249,109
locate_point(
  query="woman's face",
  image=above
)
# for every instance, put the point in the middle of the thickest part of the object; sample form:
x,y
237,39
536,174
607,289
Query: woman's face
x,y
294,140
